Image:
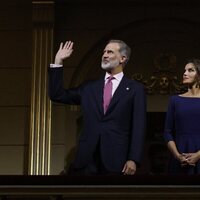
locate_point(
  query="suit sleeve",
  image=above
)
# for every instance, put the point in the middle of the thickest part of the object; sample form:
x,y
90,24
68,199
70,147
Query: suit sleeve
x,y
58,93
139,125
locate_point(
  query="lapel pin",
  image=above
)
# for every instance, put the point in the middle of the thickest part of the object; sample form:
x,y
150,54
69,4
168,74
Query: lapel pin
x,y
127,88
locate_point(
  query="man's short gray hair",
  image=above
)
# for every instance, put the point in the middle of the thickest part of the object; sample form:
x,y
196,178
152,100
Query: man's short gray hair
x,y
124,49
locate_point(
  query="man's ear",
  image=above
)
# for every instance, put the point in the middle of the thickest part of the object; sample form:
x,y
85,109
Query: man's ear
x,y
123,59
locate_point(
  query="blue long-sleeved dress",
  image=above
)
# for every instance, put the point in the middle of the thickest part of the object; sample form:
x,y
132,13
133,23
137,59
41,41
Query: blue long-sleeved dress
x,y
182,126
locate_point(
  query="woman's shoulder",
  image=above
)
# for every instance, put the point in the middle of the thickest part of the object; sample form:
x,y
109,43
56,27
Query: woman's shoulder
x,y
184,97
186,94
189,96
173,97
176,98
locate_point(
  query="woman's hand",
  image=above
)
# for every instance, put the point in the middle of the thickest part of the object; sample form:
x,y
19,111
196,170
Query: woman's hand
x,y
182,158
192,158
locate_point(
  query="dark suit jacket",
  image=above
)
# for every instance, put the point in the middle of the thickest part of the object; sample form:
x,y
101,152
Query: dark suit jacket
x,y
120,132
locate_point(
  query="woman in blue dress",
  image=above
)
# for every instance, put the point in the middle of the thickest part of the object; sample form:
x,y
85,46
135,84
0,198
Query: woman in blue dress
x,y
182,125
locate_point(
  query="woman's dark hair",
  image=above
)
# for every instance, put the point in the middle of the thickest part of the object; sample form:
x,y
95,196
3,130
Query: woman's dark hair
x,y
196,63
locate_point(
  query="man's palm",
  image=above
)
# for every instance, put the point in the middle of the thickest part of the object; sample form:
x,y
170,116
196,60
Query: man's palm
x,y
64,52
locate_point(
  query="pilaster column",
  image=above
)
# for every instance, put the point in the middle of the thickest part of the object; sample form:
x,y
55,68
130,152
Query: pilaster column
x,y
40,119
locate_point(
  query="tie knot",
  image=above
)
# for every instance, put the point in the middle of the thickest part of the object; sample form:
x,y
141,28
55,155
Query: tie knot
x,y
110,78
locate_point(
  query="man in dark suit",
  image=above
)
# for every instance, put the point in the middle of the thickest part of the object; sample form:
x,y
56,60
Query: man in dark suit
x,y
114,112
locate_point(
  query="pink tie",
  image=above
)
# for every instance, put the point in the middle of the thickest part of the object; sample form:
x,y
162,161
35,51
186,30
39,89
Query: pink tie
x,y
107,96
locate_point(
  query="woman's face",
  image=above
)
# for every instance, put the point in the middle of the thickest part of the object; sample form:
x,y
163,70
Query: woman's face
x,y
190,74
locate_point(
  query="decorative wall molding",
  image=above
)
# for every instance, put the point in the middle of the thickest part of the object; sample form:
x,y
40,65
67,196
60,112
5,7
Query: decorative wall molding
x,y
40,124
164,80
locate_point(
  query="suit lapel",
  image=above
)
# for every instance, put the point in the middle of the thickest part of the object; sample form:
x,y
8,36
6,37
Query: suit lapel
x,y
98,91
121,90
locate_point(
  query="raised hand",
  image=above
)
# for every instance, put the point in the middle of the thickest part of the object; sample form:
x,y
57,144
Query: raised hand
x,y
64,52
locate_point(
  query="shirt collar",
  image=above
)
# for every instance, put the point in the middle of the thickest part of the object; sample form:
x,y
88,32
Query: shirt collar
x,y
118,76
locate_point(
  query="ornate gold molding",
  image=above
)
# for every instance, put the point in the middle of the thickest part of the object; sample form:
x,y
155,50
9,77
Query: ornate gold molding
x,y
40,123
164,80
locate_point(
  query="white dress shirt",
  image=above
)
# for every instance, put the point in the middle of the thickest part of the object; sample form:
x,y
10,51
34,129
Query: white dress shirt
x,y
116,81
55,65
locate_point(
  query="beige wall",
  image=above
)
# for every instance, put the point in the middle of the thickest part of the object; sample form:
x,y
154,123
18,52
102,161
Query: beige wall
x,y
15,75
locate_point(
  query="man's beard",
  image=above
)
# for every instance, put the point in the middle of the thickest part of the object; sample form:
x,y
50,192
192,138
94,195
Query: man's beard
x,y
109,65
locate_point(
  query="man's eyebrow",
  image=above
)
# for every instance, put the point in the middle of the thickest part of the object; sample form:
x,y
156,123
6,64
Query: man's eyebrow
x,y
108,50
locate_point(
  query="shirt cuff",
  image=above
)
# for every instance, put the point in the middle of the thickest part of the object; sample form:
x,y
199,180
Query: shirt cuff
x,y
55,65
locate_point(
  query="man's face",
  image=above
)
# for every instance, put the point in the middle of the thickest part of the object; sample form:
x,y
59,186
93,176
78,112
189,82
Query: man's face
x,y
111,57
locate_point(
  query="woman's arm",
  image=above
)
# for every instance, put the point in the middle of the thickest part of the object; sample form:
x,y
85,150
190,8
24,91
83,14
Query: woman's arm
x,y
178,156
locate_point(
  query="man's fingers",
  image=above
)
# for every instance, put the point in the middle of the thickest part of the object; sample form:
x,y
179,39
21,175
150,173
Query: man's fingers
x,y
129,172
124,169
61,46
68,45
